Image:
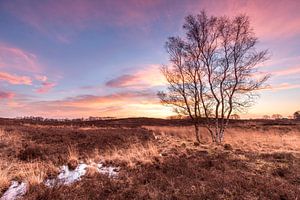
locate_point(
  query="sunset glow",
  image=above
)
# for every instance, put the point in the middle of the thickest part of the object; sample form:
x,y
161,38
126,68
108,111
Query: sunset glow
x,y
71,59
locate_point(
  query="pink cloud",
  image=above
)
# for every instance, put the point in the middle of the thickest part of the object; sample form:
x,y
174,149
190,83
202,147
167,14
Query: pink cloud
x,y
105,100
15,58
270,19
125,103
6,95
287,71
14,79
41,78
149,76
282,86
65,18
46,87
122,81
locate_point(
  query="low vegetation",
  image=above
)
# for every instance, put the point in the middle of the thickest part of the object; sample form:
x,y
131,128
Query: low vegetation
x,y
154,162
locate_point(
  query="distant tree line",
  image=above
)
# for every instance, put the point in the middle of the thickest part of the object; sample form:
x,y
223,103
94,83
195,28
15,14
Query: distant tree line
x,y
42,119
295,116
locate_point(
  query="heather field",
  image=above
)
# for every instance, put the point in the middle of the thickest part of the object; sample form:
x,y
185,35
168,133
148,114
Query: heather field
x,y
125,160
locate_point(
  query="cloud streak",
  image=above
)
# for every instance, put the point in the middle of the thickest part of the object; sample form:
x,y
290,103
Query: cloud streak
x,y
15,79
281,86
6,95
121,81
120,104
287,71
46,87
149,76
18,60
63,19
15,58
270,19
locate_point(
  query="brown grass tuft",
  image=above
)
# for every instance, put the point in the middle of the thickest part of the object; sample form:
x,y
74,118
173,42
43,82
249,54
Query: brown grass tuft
x,y
136,154
33,172
4,177
73,158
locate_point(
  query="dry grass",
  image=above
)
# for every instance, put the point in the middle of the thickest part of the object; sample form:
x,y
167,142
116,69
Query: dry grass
x,y
6,165
10,140
4,176
33,173
72,153
264,140
136,154
272,139
92,171
183,132
11,168
167,165
73,157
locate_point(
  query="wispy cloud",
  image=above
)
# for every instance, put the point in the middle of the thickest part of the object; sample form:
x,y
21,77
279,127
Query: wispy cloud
x,y
46,87
41,78
15,79
120,104
282,86
20,61
287,71
16,58
146,77
111,99
270,19
122,81
64,19
6,95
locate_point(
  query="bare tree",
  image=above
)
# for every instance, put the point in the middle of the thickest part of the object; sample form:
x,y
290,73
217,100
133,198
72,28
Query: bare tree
x,y
277,116
213,71
297,115
235,116
266,117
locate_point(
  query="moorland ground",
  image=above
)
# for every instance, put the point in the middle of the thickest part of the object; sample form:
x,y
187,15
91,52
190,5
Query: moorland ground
x,y
258,160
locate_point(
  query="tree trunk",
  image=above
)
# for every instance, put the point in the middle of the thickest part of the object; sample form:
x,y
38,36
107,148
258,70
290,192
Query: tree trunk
x,y
197,132
219,135
222,135
212,135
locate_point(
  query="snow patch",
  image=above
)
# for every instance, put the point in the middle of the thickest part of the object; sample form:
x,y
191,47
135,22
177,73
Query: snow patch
x,y
111,171
67,176
15,191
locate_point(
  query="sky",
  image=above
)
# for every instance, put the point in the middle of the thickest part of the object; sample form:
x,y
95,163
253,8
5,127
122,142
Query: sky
x,y
81,58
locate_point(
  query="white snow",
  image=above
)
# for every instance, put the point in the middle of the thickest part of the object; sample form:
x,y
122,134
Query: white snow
x,y
111,171
67,176
15,191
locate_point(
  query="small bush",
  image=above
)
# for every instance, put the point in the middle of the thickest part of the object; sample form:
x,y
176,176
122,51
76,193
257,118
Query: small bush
x,y
227,147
